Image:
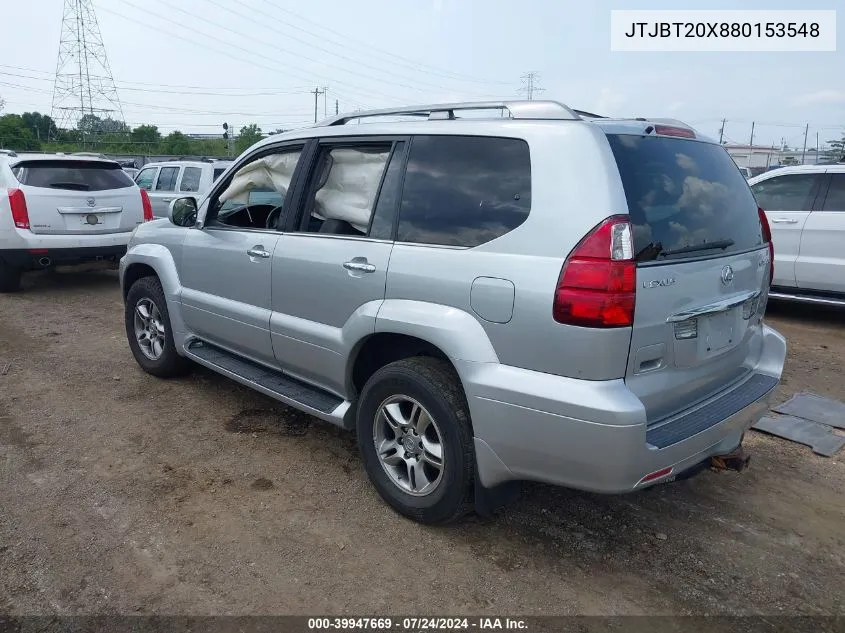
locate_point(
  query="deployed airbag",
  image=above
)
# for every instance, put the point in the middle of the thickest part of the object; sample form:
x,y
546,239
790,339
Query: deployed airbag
x,y
350,189
272,173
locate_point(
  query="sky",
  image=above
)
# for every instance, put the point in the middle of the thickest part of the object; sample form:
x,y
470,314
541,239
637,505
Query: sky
x,y
193,64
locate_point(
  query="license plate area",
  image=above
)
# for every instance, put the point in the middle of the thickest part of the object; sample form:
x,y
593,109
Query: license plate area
x,y
91,219
718,333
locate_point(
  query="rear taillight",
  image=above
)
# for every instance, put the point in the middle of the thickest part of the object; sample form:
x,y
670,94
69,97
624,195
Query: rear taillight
x,y
767,237
148,208
597,285
17,203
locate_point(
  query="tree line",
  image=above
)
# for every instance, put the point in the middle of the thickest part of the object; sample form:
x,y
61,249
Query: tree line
x,y
33,131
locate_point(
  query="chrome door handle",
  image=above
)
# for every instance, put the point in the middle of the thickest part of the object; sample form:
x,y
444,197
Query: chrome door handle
x,y
360,266
783,221
167,199
258,251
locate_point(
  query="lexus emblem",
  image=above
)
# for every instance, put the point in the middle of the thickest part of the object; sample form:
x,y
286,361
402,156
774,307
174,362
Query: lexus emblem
x,y
91,202
727,275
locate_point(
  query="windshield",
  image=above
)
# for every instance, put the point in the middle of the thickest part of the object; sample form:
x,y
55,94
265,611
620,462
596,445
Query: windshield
x,y
686,198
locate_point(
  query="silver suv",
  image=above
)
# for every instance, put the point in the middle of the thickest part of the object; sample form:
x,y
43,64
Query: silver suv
x,y
546,296
164,181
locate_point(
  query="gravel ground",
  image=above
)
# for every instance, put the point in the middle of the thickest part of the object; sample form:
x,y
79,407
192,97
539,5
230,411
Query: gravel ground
x,y
122,493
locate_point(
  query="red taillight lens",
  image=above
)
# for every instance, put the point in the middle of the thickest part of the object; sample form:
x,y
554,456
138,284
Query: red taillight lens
x,y
148,208
20,214
767,237
597,285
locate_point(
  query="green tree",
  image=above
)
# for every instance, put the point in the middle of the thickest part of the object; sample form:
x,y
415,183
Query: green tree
x,y
14,134
92,124
248,135
42,126
176,143
146,134
835,149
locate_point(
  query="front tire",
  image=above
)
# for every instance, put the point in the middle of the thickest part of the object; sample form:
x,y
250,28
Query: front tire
x,y
148,330
416,440
10,278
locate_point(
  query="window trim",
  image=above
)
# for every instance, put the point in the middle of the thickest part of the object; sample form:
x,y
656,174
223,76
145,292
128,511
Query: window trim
x,y
299,220
178,178
812,197
220,185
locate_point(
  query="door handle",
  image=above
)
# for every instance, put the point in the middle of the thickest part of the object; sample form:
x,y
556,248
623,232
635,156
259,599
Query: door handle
x,y
783,221
360,265
166,199
258,251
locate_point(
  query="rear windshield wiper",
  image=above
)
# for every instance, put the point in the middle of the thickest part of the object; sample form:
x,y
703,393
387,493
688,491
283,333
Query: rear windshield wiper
x,y
718,244
75,186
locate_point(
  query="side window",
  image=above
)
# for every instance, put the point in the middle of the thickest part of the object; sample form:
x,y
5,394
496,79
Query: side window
x,y
146,177
190,179
464,190
167,179
835,200
381,227
793,192
218,171
343,188
253,195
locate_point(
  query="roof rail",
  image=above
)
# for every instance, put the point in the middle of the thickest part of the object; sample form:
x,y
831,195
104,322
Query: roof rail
x,y
517,109
589,115
8,152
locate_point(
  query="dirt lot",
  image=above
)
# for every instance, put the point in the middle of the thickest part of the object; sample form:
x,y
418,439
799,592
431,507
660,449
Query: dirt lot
x,y
121,493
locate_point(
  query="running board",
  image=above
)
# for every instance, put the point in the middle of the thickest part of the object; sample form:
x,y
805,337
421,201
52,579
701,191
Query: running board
x,y
816,299
291,391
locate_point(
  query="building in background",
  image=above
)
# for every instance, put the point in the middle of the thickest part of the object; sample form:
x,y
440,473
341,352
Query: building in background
x,y
759,158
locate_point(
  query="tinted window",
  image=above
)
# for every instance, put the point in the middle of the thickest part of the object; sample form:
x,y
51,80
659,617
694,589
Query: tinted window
x,y
835,200
686,198
72,175
146,177
786,193
190,179
381,226
464,190
167,179
218,171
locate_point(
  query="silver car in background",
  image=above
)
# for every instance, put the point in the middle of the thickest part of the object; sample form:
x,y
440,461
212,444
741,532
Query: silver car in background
x,y
164,181
548,296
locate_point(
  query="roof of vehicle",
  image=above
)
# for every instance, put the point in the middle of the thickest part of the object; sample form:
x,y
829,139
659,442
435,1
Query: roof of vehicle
x,y
442,119
799,169
20,158
186,163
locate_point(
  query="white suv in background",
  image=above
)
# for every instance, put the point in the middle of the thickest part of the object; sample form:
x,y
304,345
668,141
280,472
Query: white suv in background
x,y
806,210
59,209
163,180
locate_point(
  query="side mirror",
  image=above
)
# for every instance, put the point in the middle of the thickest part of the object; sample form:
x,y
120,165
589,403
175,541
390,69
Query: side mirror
x,y
183,211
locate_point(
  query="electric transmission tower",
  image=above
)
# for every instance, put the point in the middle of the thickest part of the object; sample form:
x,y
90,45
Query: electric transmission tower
x,y
529,85
84,84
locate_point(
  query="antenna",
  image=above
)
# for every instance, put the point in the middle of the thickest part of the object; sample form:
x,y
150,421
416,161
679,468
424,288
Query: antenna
x,y
84,84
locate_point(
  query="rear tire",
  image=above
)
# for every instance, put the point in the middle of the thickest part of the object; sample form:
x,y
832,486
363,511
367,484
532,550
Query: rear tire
x,y
10,278
406,474
149,332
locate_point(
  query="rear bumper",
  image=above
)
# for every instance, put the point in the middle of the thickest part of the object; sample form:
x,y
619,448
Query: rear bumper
x,y
38,258
592,435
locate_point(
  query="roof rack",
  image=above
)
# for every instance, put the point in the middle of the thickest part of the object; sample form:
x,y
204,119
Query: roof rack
x,y
8,152
517,109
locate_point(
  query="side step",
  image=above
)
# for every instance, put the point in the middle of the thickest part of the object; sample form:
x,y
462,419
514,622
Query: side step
x,y
275,384
808,298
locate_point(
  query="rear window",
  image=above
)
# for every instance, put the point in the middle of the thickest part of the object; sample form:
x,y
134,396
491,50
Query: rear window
x,y
686,198
72,175
218,171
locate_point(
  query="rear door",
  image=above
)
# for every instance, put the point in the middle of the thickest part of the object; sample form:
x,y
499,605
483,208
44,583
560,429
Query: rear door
x,y
821,261
76,196
787,200
164,190
702,266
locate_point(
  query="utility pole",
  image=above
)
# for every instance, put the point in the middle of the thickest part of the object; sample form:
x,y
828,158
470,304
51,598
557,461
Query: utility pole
x,y
804,151
530,86
817,148
751,142
722,131
317,93
337,108
325,108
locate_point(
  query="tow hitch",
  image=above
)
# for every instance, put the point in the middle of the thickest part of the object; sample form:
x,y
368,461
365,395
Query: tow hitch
x,y
736,460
